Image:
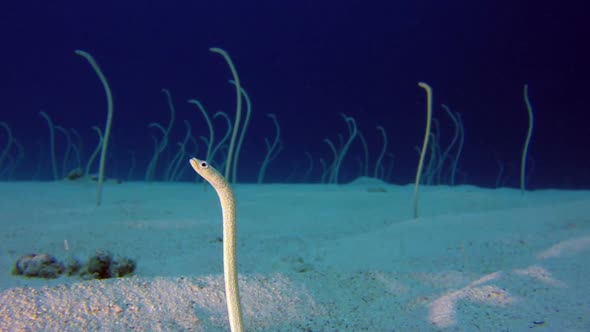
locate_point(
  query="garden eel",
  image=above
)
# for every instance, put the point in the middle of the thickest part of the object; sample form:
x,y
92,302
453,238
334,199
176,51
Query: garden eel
x,y
228,211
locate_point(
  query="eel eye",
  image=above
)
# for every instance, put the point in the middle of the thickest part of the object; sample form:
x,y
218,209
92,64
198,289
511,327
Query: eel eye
x,y
204,164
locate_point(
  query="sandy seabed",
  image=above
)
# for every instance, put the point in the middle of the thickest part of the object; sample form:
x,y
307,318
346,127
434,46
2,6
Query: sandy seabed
x,y
310,258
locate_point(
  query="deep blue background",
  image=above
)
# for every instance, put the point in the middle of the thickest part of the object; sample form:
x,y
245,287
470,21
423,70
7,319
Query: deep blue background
x,y
308,61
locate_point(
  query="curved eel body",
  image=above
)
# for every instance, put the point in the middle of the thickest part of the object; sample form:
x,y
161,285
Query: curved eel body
x,y
228,210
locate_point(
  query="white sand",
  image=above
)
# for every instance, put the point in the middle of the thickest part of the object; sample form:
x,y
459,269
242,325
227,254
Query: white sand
x,y
311,258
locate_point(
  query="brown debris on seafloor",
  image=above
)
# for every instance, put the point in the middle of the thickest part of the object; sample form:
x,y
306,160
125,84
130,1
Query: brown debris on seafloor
x,y
38,265
102,265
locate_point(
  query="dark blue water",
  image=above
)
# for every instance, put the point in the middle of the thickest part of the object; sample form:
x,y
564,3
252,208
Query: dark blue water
x,y
306,62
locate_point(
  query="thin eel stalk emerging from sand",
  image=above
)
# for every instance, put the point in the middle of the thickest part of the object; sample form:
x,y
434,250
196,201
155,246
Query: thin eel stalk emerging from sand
x,y
228,210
